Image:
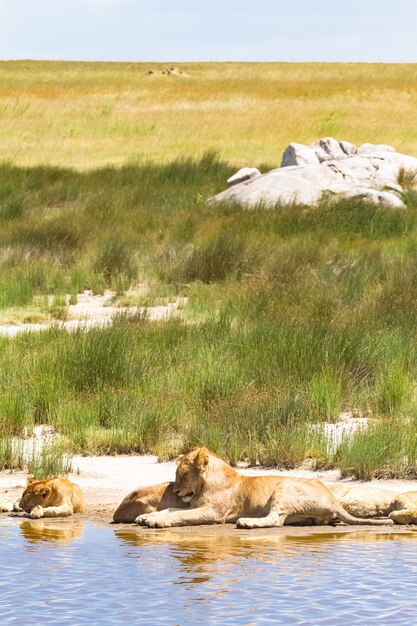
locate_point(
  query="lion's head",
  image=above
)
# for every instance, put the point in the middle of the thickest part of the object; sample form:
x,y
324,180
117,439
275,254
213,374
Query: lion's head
x,y
191,469
36,493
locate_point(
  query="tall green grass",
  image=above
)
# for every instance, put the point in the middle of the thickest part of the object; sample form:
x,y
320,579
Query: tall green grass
x,y
49,463
11,458
294,315
388,449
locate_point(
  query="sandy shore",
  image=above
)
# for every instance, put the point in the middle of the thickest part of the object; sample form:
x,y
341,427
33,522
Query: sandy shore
x,y
106,480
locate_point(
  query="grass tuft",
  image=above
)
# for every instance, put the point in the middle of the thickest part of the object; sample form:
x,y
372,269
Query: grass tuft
x,y
51,462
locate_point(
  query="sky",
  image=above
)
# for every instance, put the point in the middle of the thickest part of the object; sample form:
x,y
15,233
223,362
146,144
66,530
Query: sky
x,y
209,30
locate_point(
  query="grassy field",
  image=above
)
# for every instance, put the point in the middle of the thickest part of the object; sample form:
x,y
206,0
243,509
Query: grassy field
x,y
87,115
294,314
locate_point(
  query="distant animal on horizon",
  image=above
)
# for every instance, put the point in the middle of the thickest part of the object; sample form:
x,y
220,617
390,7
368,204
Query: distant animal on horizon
x,y
54,497
217,493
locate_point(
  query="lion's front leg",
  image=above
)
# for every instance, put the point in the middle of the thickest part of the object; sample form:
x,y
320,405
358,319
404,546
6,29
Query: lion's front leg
x,y
272,520
178,517
143,518
51,511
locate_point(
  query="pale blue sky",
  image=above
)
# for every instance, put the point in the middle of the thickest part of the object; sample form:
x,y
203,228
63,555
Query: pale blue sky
x,y
209,30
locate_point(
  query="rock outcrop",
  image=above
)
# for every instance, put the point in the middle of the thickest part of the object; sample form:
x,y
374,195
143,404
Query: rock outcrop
x,y
369,173
245,173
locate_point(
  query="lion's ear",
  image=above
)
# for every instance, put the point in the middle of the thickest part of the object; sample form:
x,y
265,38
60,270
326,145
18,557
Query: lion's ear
x,y
202,458
30,479
45,492
179,459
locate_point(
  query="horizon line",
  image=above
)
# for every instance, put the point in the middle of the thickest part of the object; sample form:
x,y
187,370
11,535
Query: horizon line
x,y
75,60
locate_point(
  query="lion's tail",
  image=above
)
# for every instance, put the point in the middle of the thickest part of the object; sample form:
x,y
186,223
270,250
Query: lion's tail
x,y
346,517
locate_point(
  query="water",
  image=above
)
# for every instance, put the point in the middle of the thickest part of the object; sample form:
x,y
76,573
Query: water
x,y
72,574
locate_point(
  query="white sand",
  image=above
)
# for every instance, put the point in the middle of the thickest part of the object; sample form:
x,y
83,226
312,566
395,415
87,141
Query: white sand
x,y
94,311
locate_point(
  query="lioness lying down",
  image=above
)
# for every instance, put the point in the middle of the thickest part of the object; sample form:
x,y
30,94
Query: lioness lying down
x,y
362,500
147,500
369,501
55,497
404,508
217,493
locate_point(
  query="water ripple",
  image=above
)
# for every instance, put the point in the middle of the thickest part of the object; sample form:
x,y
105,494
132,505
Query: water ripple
x,y
79,574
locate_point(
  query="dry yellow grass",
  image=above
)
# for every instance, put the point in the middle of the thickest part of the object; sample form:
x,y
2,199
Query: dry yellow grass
x,y
90,114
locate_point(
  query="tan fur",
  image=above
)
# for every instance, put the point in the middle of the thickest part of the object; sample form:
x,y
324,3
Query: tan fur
x,y
404,508
217,493
363,500
368,501
146,500
55,497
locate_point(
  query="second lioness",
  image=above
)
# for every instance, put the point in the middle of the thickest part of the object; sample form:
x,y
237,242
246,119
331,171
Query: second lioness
x,y
54,497
370,501
147,500
217,493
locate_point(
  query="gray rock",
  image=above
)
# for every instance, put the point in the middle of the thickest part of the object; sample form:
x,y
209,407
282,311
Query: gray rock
x,y
245,173
348,148
304,184
298,154
328,149
367,148
372,196
394,187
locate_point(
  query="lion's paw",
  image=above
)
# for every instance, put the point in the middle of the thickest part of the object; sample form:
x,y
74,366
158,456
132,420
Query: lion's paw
x,y
245,522
158,523
152,521
142,519
37,512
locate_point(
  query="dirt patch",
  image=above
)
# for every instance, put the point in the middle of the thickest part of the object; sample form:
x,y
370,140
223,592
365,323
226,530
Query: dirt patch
x,y
96,310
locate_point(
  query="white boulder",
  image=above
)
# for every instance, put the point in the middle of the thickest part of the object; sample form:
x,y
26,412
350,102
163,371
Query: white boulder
x,y
367,148
325,149
348,148
375,171
328,149
372,196
298,154
245,173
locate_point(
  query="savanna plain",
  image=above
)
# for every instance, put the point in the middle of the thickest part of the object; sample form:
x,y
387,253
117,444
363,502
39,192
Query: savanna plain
x,y
290,316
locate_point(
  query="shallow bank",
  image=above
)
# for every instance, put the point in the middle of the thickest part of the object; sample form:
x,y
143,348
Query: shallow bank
x,y
68,528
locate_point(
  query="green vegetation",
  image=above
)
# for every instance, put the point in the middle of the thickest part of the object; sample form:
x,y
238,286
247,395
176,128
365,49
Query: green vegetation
x,y
293,315
51,462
